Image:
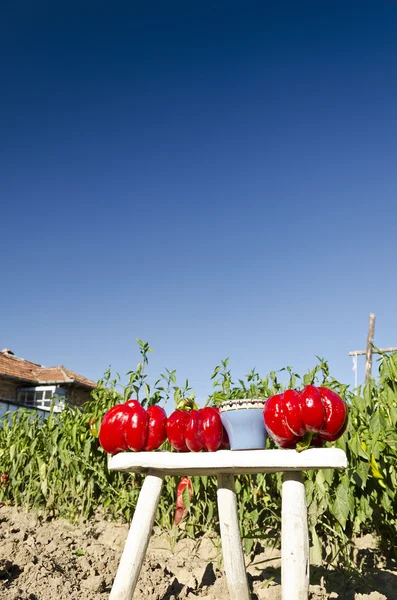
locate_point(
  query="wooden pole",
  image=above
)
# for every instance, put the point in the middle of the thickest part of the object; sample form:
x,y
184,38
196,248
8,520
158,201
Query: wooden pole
x,y
383,350
370,339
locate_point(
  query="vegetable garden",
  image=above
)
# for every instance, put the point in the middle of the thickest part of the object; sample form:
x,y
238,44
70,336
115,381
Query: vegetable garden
x,y
57,465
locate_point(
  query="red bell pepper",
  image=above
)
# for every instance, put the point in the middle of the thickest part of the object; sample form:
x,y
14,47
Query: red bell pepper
x,y
136,429
176,425
156,432
195,430
112,431
129,426
181,509
316,414
335,413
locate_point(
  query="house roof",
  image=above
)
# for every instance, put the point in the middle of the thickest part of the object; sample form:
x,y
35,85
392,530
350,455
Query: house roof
x,y
13,367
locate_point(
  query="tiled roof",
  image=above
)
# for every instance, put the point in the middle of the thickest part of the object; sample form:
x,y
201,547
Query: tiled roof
x,y
18,368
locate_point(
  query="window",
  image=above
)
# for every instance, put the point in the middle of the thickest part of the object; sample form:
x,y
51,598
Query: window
x,y
41,397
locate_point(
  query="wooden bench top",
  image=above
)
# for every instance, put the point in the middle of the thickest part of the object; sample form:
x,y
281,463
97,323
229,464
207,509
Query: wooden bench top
x,y
229,461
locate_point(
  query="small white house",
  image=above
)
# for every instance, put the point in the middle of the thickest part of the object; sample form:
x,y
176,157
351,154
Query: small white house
x,y
24,383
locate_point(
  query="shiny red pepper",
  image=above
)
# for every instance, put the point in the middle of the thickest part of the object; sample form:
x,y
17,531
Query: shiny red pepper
x,y
112,431
195,430
316,414
176,425
136,429
156,432
129,426
181,509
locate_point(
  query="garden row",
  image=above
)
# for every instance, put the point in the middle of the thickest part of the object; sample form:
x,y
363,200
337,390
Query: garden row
x,y
58,466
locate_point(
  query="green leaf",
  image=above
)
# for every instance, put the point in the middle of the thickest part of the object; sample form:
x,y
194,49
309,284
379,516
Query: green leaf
x,y
355,446
309,489
87,449
374,423
253,516
368,397
393,414
328,475
386,503
320,483
366,508
43,478
215,373
315,549
248,545
313,512
305,442
362,470
343,504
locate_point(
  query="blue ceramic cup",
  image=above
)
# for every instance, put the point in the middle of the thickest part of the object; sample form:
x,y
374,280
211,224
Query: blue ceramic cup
x,y
243,421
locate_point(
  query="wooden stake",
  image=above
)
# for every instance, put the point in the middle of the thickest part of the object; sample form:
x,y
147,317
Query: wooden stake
x,y
383,350
370,339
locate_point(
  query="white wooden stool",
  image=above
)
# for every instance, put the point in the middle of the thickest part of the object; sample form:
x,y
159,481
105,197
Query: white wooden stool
x,y
225,464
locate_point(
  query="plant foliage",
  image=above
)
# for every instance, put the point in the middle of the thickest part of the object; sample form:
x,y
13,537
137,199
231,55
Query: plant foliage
x,y
56,464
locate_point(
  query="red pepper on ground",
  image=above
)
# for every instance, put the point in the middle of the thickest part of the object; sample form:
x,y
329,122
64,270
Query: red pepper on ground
x,y
181,509
195,430
129,426
316,414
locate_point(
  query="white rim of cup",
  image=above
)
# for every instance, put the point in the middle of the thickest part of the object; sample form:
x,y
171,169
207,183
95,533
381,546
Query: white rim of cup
x,y
243,403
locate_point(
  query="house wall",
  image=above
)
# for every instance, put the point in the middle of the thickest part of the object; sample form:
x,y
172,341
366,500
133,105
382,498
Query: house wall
x,y
8,390
74,395
77,396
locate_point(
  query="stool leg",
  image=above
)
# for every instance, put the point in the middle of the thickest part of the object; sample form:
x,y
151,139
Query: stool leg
x,y
138,538
294,539
233,557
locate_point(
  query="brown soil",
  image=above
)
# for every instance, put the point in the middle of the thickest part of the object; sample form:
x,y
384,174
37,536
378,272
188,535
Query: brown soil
x,y
55,560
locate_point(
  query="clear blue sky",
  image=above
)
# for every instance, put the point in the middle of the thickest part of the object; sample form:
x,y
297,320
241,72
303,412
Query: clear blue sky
x,y
218,178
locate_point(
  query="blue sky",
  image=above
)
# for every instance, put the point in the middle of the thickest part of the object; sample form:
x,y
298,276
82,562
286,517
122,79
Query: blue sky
x,y
218,179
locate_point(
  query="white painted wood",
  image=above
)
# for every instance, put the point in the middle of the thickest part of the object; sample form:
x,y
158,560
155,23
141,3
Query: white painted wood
x,y
233,556
229,461
225,463
138,538
294,539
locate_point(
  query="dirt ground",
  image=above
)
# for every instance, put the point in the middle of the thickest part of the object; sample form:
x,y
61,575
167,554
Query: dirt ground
x,y
55,560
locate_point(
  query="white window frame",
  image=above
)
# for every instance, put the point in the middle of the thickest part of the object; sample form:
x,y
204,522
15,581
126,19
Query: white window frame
x,y
42,404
